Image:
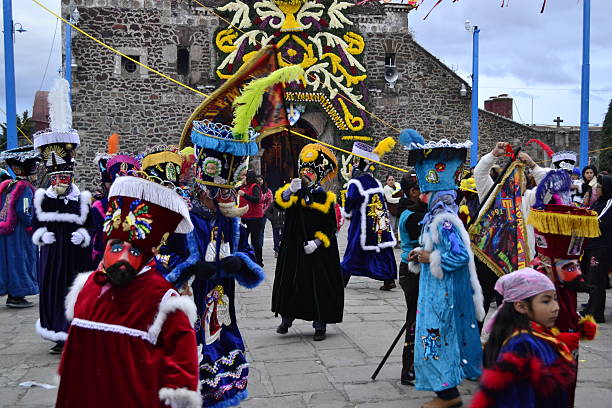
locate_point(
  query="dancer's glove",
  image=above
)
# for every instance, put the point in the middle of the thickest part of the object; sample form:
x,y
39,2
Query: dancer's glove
x,y
77,238
588,328
296,185
48,238
571,340
310,247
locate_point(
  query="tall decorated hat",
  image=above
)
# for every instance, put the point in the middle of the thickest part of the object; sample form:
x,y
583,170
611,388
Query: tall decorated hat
x,y
564,160
122,165
319,160
102,158
368,154
438,165
221,158
162,164
23,160
144,213
58,144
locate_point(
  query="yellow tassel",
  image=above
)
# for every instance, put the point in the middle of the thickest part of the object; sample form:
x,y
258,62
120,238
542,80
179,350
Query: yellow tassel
x,y
565,224
385,146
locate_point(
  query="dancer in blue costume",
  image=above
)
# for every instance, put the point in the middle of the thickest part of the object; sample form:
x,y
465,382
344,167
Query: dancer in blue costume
x,y
18,254
219,256
369,251
447,347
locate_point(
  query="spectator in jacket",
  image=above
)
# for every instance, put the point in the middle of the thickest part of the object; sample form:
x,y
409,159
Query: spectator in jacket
x,y
266,201
250,195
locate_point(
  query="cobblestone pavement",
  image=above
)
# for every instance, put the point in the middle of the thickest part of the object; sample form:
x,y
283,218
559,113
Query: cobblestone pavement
x,y
292,370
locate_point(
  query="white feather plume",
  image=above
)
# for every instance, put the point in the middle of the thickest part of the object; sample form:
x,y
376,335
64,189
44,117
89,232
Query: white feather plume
x,y
60,112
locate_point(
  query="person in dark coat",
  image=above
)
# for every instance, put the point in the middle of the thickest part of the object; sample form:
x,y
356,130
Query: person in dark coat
x,y
18,254
308,281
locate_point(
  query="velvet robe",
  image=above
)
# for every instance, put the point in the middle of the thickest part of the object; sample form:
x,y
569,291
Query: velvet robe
x,y
308,287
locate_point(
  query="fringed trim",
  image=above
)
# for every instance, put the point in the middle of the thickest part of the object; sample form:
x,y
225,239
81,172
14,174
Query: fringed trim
x,y
565,224
194,256
180,398
278,198
511,368
170,303
73,294
37,236
324,238
86,237
232,402
330,200
435,264
50,334
253,279
433,238
84,201
157,194
8,225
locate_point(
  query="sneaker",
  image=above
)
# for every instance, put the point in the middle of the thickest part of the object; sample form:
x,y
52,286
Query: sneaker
x,y
388,287
18,302
319,335
283,328
57,349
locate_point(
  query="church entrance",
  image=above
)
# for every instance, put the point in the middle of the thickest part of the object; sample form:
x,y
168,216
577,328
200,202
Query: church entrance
x,y
279,160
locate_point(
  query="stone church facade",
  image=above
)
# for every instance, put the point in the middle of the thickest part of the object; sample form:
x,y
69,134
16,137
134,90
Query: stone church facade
x,y
182,40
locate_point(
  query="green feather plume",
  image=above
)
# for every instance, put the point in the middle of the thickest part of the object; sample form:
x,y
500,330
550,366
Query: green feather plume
x,y
247,104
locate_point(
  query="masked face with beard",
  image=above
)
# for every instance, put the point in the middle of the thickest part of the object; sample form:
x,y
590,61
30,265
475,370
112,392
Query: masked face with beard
x,y
61,183
121,262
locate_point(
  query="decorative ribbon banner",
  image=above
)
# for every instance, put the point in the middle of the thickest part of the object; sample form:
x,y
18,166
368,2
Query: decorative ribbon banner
x,y
499,236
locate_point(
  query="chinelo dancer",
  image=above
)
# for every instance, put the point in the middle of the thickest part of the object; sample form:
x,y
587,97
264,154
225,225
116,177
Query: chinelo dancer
x,y
369,251
308,281
447,341
131,341
62,222
18,254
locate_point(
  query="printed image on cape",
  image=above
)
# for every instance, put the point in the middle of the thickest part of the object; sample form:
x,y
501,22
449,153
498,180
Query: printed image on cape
x,y
499,235
223,366
369,251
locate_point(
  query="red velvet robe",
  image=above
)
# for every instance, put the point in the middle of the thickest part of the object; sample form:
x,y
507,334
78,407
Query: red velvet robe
x,y
131,346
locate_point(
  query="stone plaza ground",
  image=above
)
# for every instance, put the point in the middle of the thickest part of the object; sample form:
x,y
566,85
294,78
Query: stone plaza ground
x,y
291,370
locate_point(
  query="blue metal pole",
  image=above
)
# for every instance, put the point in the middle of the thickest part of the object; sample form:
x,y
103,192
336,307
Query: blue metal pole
x,y
9,76
68,61
474,127
584,99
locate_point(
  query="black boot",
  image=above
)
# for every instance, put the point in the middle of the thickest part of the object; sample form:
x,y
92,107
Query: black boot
x,y
319,335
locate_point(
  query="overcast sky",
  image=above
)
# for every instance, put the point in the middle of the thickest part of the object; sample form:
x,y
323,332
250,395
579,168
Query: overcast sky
x,y
522,52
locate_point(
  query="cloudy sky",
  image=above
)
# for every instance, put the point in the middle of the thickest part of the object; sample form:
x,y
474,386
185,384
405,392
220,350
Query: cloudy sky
x,y
531,56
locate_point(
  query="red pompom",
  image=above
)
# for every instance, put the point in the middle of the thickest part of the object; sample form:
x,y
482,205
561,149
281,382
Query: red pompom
x,y
588,330
100,278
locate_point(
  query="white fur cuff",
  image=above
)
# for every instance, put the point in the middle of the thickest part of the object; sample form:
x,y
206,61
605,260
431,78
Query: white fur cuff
x,y
172,302
180,398
37,236
86,237
435,264
414,267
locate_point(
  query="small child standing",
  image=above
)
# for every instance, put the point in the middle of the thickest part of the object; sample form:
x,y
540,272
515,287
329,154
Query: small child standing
x,y
525,366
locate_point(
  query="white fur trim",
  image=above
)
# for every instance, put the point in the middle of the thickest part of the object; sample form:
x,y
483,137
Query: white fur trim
x,y
86,237
111,328
180,398
73,294
172,302
429,240
366,194
85,203
157,194
435,264
50,334
37,236
414,267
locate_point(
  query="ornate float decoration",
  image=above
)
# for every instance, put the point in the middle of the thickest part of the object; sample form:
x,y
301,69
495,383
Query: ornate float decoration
x,y
317,35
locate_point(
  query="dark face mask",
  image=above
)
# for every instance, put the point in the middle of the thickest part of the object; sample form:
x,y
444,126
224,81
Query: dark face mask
x,y
121,273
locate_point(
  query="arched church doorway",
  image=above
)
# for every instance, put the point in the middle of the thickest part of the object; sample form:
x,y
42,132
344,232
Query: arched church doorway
x,y
281,151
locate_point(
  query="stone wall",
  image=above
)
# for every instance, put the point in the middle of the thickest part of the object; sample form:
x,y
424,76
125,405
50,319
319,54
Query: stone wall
x,y
146,109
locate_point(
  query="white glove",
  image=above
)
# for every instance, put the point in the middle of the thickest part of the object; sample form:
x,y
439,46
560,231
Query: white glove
x,y
296,185
77,238
48,238
310,247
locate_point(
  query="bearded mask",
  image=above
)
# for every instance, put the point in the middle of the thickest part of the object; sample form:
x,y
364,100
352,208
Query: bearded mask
x,y
60,182
121,262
